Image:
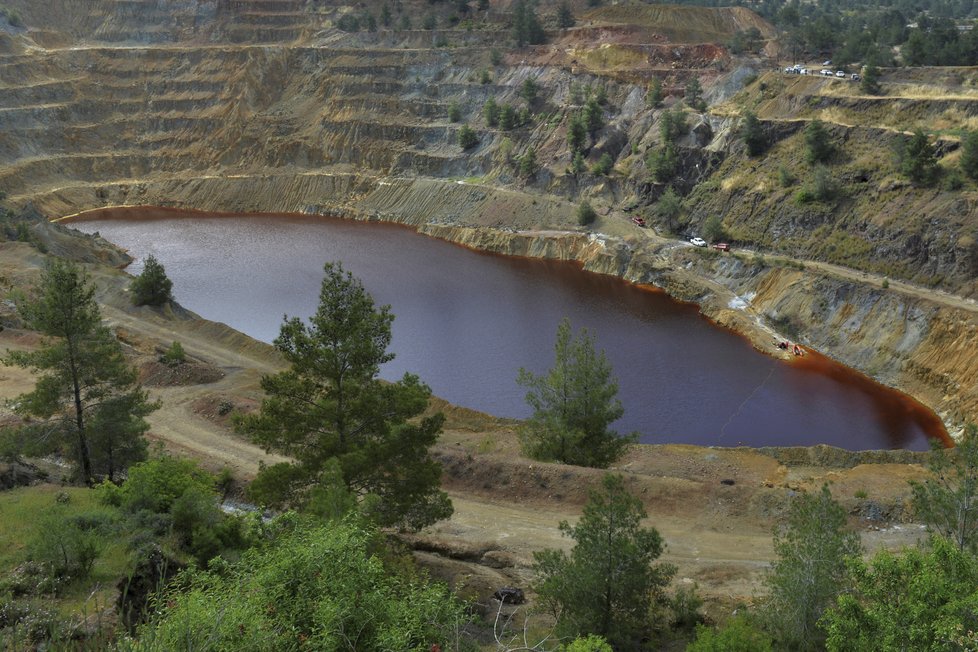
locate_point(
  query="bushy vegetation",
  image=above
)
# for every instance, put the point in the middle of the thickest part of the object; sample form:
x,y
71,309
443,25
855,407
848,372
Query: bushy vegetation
x,y
311,586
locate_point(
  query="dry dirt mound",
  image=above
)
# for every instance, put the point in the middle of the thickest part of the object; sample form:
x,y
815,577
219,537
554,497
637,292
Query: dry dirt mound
x,y
161,374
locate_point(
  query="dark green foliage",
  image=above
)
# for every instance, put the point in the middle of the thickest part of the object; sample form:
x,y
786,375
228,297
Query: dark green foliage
x,y
593,116
586,214
810,571
577,164
565,17
947,502
694,95
364,21
608,584
918,161
654,96
601,95
385,16
922,599
528,163
820,187
713,230
672,125
529,90
495,57
490,111
969,155
576,94
316,588
818,143
507,117
330,405
152,287
663,162
526,26
467,138
604,165
577,134
186,501
753,134
669,207
405,22
573,405
429,22
869,83
86,388
748,40
738,635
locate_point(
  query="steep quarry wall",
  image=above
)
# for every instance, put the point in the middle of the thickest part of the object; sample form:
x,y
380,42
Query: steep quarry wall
x,y
263,105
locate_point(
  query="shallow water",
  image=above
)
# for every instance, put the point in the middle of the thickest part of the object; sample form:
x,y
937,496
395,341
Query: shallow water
x,y
467,321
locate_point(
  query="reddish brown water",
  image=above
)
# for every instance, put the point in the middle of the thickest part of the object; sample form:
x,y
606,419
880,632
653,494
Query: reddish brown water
x,y
466,321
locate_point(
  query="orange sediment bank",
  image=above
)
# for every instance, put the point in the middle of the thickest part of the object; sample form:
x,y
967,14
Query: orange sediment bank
x,y
893,407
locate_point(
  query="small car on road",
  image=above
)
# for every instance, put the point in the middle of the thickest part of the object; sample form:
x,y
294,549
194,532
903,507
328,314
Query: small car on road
x,y
697,242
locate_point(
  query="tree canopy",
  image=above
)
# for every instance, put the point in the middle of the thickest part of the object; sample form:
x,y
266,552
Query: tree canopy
x,y
86,395
347,430
921,599
947,502
608,584
573,405
152,287
810,571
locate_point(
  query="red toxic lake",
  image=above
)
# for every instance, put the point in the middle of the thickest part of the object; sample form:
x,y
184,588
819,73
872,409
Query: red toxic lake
x,y
467,321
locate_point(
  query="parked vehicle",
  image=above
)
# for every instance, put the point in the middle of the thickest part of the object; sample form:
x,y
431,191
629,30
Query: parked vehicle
x,y
827,62
826,72
855,77
697,242
721,246
841,74
638,221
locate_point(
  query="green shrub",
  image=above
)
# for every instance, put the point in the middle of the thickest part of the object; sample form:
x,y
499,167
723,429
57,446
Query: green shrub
x,y
785,177
174,355
467,138
328,588
713,230
454,111
604,165
586,214
66,550
155,485
738,635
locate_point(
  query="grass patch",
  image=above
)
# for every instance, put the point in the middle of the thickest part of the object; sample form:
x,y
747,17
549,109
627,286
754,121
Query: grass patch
x,y
19,510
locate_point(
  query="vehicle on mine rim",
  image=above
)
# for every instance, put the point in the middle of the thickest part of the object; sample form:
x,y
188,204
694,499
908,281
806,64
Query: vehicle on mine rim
x,y
638,221
722,246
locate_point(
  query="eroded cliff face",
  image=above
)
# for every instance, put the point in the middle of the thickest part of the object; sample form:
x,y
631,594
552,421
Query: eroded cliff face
x,y
264,106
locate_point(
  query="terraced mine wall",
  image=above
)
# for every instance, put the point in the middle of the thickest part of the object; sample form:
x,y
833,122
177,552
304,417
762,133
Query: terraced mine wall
x,y
264,106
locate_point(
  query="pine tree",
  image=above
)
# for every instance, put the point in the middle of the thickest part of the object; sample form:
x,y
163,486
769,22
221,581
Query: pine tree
x,y
818,143
918,161
969,155
330,411
809,573
565,17
753,134
86,393
653,99
151,287
608,584
573,406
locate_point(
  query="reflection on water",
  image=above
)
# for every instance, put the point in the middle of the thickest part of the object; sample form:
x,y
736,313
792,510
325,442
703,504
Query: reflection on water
x,y
466,321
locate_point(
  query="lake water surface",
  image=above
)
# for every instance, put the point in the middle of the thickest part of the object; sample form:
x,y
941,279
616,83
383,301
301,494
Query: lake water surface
x,y
467,321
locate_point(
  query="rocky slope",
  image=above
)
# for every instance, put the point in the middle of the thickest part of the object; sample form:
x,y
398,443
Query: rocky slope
x,y
264,105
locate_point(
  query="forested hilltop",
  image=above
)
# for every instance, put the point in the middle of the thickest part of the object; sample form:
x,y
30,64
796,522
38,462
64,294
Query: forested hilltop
x,y
623,136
